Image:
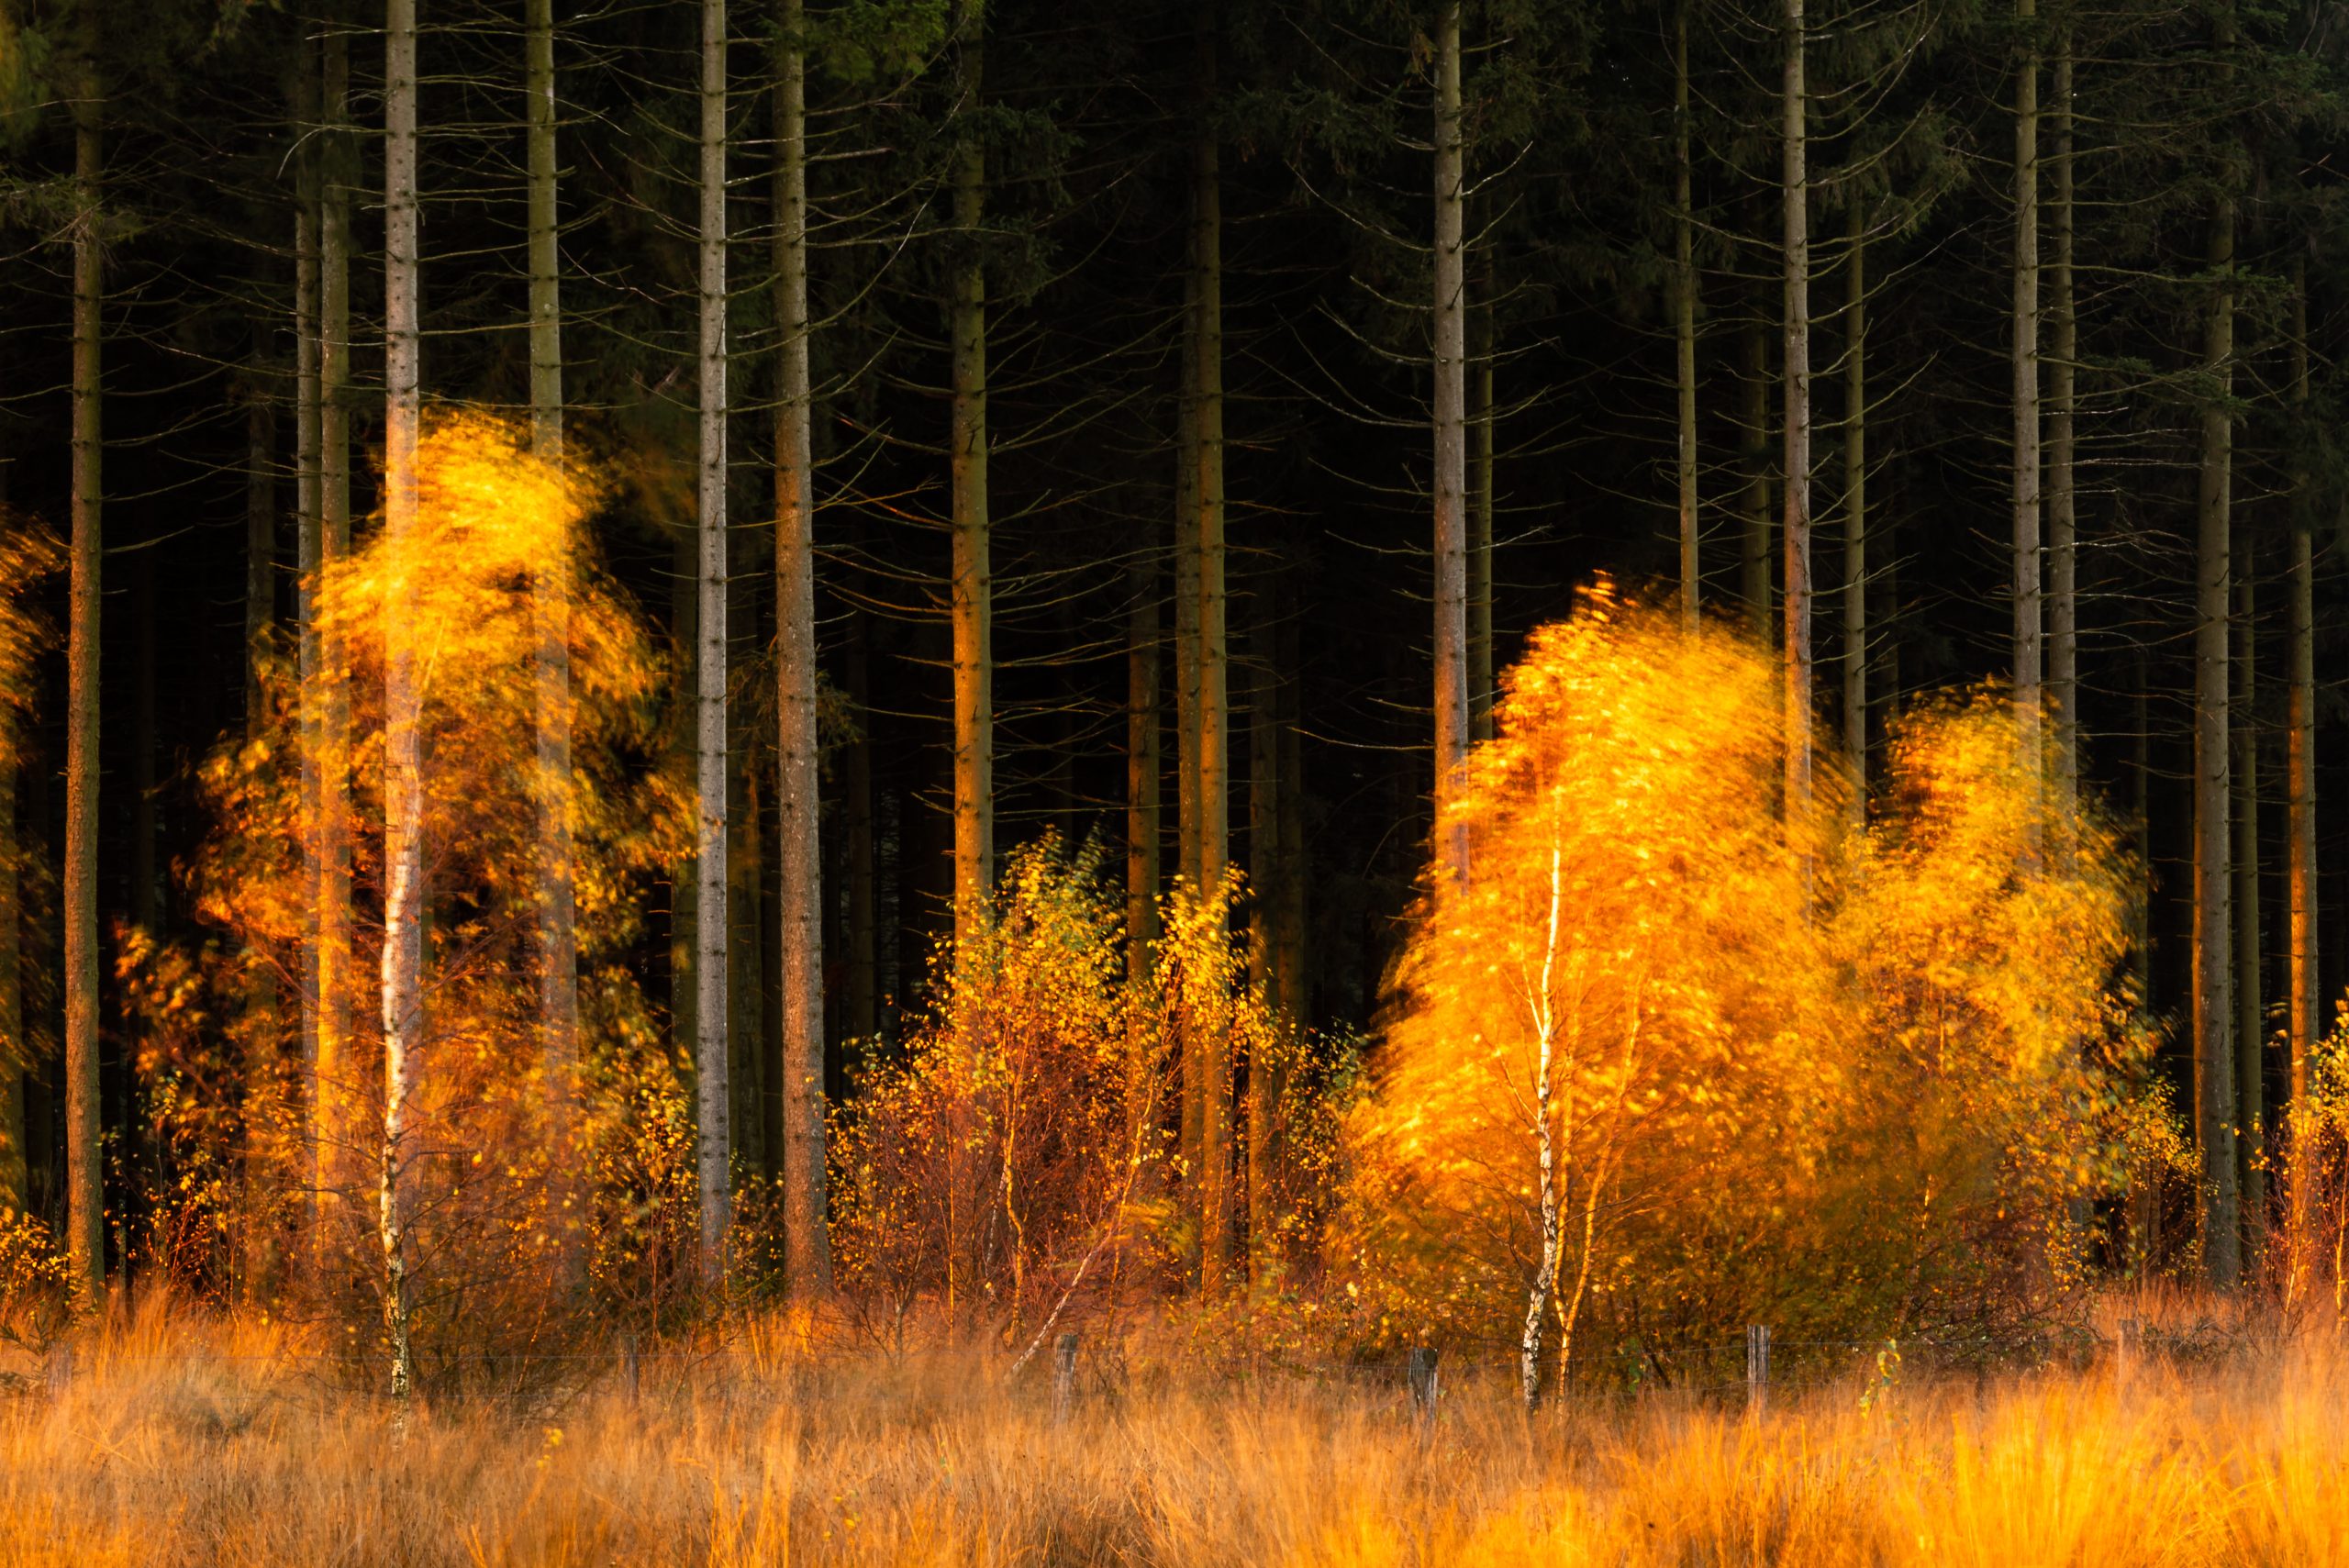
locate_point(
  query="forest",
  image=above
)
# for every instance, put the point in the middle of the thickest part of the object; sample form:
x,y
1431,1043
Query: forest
x,y
1303,781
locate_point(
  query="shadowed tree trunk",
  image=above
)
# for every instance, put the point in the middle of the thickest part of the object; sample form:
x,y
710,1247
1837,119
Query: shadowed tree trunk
x,y
973,579
2213,936
1797,522
1449,410
2306,1025
2251,1109
713,1075
86,1203
1684,319
2024,362
550,596
799,853
2062,492
1856,513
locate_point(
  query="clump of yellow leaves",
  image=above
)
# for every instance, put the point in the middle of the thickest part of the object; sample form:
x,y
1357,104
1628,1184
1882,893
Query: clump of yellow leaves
x,y
1800,1070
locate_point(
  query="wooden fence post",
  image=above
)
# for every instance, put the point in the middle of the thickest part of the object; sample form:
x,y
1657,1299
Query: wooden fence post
x,y
1063,1376
1421,1373
1757,1367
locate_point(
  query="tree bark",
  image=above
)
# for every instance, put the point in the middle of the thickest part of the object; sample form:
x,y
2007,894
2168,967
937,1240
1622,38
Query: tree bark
x,y
1856,513
307,115
336,1130
2214,938
2024,360
973,584
1754,454
1141,766
1449,410
2306,1024
799,852
2250,1111
550,602
1266,857
1215,1216
16,1057
1684,319
1797,478
85,1201
2061,490
713,1075
1480,540
405,894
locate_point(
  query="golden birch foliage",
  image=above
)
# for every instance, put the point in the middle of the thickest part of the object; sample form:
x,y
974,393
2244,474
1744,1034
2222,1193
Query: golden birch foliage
x,y
1793,1077
492,516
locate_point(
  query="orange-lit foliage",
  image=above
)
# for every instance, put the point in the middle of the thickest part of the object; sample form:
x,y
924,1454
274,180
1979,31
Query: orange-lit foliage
x,y
1796,1076
492,516
1017,1156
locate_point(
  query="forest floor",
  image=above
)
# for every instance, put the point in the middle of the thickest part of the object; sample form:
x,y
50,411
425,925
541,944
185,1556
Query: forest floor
x,y
176,1442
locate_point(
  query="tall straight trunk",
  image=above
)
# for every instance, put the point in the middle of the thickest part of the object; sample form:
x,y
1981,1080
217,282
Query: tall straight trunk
x,y
1265,859
974,576
746,917
2024,362
550,596
799,884
2250,1111
1141,766
2305,1024
1855,511
1796,182
307,178
1450,412
1753,458
406,898
684,891
863,1011
261,535
2213,931
1684,317
1187,617
1480,540
1289,963
2062,491
1215,1216
85,1199
713,1076
16,1058
336,1131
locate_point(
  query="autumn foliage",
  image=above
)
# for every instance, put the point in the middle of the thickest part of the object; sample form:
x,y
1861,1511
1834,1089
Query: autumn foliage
x,y
1856,1079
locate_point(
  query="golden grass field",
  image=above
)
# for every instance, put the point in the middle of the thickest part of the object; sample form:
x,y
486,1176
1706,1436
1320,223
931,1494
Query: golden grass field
x,y
176,1442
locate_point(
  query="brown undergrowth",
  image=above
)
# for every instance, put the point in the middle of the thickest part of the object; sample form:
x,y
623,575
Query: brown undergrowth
x,y
176,1440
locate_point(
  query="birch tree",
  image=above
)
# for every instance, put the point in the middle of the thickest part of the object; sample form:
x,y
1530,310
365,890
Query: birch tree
x,y
405,893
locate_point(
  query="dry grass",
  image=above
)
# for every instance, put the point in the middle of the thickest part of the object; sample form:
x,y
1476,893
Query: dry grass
x,y
166,1450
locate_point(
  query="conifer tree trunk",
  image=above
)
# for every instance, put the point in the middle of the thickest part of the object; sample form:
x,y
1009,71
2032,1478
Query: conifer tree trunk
x,y
2306,1025
1216,1214
550,593
799,853
1266,856
714,1078
974,578
406,898
1797,479
307,112
15,1056
2213,931
334,1132
1142,767
86,1203
1450,407
1855,511
1186,614
2061,490
1753,455
1684,318
2025,364
2250,1111
1480,540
